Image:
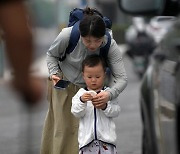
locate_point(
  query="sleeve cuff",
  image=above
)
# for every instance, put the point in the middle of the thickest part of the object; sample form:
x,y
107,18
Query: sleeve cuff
x,y
81,100
58,73
105,107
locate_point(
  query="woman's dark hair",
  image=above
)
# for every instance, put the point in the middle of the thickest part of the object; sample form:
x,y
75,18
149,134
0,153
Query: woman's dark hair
x,y
92,24
93,60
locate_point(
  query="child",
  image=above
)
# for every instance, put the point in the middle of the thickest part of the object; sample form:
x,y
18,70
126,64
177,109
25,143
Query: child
x,y
96,133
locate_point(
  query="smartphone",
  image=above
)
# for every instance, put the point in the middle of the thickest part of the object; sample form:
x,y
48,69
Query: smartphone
x,y
61,84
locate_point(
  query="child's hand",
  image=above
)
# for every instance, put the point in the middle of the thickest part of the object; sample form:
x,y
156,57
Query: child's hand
x,y
86,97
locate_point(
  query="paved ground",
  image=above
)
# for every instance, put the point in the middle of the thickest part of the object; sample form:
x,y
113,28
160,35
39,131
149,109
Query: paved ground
x,y
128,123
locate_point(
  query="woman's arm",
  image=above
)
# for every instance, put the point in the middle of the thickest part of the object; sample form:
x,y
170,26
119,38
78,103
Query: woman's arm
x,y
56,50
118,79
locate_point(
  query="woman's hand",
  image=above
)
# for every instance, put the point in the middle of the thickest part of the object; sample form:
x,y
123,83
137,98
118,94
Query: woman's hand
x,y
100,100
55,79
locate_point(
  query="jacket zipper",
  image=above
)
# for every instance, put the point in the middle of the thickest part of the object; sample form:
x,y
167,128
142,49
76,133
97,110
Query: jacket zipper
x,y
95,119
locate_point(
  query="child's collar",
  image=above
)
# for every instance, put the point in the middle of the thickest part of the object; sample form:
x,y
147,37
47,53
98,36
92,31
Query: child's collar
x,y
97,91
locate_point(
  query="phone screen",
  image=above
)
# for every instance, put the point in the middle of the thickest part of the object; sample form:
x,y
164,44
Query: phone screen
x,y
61,84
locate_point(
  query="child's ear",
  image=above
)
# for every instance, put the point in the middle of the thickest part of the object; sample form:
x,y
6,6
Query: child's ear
x,y
105,74
83,75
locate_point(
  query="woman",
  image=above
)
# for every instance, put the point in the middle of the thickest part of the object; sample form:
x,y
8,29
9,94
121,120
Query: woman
x,y
61,127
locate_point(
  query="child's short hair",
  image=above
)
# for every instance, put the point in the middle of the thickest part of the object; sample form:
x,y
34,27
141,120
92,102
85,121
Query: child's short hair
x,y
93,60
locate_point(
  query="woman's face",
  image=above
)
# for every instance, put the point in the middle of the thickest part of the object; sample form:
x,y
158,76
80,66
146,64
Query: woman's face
x,y
92,43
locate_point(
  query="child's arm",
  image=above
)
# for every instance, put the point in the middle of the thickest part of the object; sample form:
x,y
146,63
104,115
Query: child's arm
x,y
79,103
113,108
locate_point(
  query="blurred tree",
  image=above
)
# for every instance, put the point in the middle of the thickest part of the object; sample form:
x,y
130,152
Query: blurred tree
x,y
43,13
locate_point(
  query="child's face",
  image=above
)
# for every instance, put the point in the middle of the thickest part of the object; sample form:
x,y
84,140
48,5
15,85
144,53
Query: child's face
x,y
94,77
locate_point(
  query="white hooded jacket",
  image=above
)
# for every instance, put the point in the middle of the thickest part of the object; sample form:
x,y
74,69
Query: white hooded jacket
x,y
95,124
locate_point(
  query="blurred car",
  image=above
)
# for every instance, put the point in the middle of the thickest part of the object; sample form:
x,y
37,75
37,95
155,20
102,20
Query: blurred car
x,y
159,26
159,99
160,87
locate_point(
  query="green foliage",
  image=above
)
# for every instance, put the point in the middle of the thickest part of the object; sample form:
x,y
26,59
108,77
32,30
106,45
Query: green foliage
x,y
44,13
119,32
